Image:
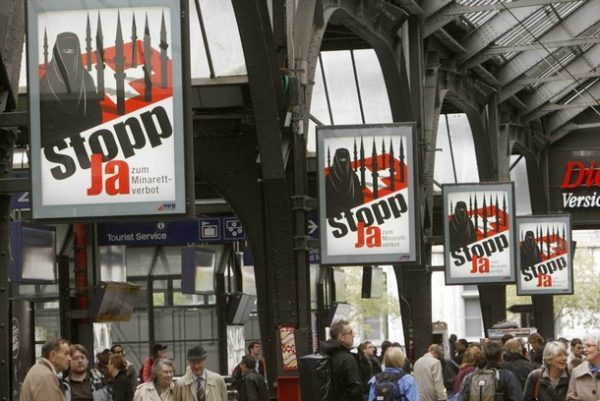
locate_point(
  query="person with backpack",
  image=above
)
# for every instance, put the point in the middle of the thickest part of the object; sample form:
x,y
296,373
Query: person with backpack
x,y
550,382
393,384
491,383
345,373
515,361
368,363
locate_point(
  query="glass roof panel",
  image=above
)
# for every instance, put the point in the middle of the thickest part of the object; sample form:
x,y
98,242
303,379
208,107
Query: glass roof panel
x,y
373,92
519,176
463,148
223,37
339,78
199,62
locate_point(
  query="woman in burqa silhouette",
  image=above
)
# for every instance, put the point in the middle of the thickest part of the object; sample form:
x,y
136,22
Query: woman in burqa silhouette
x,y
69,102
462,230
529,251
342,185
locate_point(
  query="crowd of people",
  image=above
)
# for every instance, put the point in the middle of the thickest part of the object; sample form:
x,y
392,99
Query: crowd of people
x,y
514,370
66,373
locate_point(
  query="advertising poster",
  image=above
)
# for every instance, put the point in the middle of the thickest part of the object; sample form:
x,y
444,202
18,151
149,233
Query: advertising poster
x,y
479,233
544,263
366,194
108,130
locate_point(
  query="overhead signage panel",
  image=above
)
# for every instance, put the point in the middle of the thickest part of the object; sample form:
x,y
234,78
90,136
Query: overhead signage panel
x,y
106,92
479,233
544,263
367,194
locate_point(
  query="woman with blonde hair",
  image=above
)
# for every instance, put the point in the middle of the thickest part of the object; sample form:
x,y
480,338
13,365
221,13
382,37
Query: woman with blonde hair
x,y
404,387
471,360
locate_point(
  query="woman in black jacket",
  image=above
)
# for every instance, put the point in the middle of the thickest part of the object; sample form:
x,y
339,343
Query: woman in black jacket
x,y
120,385
550,382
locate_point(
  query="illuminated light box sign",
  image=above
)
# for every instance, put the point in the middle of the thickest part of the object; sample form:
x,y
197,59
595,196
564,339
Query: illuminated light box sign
x,y
366,194
544,262
479,233
106,92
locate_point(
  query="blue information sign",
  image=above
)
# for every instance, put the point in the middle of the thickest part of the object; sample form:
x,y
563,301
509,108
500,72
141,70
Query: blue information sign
x,y
209,229
232,229
155,233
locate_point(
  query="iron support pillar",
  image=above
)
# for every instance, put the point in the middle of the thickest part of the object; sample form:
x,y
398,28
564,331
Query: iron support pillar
x,y
7,138
414,289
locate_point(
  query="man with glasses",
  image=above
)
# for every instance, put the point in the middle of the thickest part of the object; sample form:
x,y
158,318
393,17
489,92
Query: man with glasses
x,y
130,372
345,373
584,384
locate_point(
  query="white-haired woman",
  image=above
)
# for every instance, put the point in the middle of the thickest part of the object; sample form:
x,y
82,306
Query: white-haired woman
x,y
551,381
401,383
160,386
585,378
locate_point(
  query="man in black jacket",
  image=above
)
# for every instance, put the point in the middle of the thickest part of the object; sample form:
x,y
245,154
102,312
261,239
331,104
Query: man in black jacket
x,y
345,373
252,387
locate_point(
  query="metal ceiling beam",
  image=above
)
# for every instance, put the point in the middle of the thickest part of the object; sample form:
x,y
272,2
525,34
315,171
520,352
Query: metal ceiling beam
x,y
443,36
430,7
579,68
497,26
572,127
562,117
555,78
572,26
464,9
550,107
494,50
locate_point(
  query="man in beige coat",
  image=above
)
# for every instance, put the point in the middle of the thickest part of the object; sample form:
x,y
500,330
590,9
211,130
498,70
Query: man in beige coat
x,y
428,375
42,382
199,383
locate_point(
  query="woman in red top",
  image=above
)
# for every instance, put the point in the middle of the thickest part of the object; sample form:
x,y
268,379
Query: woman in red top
x,y
158,351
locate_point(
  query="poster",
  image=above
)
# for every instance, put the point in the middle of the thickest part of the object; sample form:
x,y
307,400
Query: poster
x,y
366,194
544,263
479,233
108,128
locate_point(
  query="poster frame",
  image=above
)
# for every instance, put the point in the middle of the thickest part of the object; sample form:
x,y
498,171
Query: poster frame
x,y
447,190
563,218
182,203
405,130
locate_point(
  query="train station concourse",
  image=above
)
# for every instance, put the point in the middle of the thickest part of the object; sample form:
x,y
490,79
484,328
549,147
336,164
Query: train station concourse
x,y
203,177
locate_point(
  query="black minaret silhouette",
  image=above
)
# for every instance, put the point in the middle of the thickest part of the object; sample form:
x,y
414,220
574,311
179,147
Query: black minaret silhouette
x,y
476,209
401,156
392,168
328,157
100,59
484,218
120,68
548,239
383,154
147,63
45,50
355,156
375,172
163,53
134,56
363,168
504,222
88,43
564,240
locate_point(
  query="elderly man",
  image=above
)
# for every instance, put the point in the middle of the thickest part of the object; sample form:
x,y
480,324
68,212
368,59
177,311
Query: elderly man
x,y
199,383
42,382
428,374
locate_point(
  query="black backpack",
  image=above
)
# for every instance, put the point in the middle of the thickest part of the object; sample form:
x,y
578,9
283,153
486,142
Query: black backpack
x,y
386,386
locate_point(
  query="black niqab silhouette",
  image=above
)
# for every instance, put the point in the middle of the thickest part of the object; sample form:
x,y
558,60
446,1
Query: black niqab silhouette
x,y
529,251
342,185
462,231
69,103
